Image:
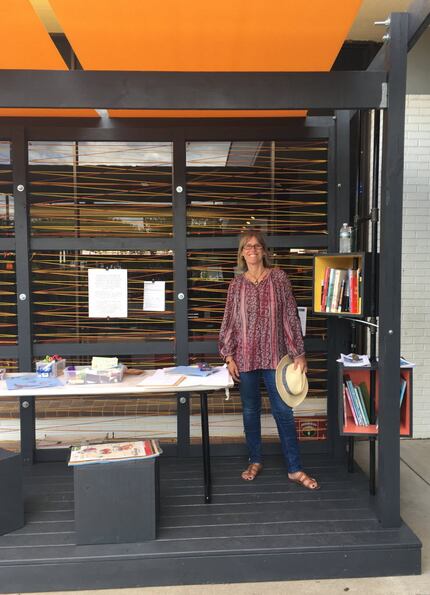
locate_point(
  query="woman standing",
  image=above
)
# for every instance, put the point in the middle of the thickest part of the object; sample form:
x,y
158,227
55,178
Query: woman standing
x,y
259,327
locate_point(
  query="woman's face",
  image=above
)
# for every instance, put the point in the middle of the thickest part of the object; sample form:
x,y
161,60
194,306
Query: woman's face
x,y
253,252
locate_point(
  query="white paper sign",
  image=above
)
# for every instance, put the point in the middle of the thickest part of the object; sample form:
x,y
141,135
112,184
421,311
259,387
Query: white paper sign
x,y
107,293
302,315
154,296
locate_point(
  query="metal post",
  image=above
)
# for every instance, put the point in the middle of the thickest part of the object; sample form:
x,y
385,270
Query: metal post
x,y
23,287
388,496
22,250
180,295
205,446
27,412
338,212
374,294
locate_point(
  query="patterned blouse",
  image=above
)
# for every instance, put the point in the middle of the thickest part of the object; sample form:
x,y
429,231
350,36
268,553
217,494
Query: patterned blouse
x,y
260,323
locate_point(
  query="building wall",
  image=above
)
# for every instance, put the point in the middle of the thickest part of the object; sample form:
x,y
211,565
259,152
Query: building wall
x,y
416,255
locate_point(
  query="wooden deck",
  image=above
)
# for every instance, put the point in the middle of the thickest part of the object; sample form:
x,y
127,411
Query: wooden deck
x,y
269,529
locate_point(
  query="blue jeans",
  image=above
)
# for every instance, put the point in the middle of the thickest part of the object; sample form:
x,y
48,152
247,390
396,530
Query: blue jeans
x,y
282,413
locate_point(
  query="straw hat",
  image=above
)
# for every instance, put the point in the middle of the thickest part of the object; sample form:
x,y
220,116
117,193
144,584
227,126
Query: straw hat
x,y
292,384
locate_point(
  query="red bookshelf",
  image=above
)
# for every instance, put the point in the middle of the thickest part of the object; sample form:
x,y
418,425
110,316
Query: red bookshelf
x,y
358,375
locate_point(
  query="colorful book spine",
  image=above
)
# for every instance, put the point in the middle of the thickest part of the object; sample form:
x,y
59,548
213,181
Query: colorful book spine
x,y
403,384
354,293
330,290
336,289
326,283
351,404
362,406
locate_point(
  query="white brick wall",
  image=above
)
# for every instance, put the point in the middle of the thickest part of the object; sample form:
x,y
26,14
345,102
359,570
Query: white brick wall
x,y
416,256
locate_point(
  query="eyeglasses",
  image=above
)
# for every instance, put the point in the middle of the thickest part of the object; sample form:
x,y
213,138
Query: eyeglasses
x,y
256,247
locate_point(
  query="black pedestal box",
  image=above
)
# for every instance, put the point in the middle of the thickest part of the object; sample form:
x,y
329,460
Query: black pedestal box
x,y
116,502
11,494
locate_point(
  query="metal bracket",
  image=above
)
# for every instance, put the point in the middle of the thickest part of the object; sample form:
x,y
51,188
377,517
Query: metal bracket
x,y
384,96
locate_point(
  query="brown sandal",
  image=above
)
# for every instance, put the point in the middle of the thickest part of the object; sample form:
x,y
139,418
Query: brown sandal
x,y
251,471
304,480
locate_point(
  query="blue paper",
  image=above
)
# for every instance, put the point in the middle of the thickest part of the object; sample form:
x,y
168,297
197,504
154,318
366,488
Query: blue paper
x,y
25,382
189,371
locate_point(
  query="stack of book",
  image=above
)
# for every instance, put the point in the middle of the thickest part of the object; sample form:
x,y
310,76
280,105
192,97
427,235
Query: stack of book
x,y
356,399
114,451
340,291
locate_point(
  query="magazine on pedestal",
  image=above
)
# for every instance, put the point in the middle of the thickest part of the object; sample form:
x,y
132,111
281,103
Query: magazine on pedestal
x,y
114,451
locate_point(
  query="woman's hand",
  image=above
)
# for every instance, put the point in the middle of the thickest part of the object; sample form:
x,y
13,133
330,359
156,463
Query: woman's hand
x,y
301,361
232,368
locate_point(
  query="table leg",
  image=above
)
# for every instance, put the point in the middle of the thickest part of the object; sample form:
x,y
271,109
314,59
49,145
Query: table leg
x,y
205,446
27,413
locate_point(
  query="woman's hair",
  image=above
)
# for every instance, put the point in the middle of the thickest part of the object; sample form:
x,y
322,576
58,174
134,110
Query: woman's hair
x,y
242,267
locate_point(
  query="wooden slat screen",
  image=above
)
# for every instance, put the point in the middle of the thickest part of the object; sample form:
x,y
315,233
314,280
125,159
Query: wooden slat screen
x,y
6,192
279,186
93,189
60,296
8,312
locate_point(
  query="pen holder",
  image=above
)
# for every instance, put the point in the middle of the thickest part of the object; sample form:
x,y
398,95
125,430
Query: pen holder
x,y
50,369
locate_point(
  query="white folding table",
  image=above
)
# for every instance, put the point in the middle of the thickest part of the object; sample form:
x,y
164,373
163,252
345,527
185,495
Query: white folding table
x,y
129,386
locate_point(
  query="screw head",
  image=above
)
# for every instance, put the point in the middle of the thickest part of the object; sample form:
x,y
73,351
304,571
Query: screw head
x,y
181,296
20,187
25,405
179,189
391,332
22,297
183,400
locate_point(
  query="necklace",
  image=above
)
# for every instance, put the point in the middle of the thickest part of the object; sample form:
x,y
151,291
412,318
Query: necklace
x,y
256,280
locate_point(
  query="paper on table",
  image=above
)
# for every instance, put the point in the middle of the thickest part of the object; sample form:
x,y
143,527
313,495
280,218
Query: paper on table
x,y
154,296
26,381
220,378
160,378
107,293
354,360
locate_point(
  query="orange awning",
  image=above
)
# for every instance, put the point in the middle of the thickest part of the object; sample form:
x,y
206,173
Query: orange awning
x,y
224,36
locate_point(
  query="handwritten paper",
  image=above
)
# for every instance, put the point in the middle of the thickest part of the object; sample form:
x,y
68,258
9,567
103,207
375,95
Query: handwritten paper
x,y
107,293
154,296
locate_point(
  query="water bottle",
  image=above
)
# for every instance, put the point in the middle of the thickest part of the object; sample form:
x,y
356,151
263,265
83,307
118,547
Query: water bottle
x,y
345,238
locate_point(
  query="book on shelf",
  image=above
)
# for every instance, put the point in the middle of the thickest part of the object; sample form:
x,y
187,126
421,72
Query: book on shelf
x,y
366,397
114,452
403,384
362,405
324,290
330,290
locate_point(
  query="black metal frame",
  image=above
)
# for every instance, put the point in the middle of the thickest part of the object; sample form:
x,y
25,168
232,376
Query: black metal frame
x,y
340,91
192,90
